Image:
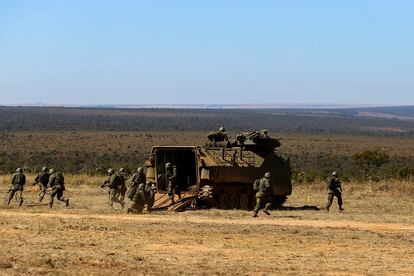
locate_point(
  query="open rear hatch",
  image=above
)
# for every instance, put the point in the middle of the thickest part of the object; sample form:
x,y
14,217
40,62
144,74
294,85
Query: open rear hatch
x,y
184,161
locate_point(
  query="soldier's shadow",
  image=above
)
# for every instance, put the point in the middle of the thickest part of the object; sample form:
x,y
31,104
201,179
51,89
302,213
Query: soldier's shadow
x,y
299,208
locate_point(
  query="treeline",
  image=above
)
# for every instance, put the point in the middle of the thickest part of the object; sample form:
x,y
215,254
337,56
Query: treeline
x,y
341,121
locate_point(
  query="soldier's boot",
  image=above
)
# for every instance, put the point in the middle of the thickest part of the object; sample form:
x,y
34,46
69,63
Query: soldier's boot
x,y
21,202
50,205
255,214
122,204
67,202
340,208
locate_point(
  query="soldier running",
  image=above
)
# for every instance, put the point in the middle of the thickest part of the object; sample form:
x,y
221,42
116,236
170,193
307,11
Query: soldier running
x,y
114,184
171,175
137,178
42,179
263,194
334,190
18,182
57,183
123,177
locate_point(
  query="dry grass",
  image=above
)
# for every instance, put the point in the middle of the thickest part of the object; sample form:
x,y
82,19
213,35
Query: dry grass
x,y
87,239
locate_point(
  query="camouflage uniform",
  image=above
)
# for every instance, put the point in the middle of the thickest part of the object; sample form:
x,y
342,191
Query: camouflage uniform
x,y
57,183
138,200
18,182
42,179
122,191
334,190
137,178
150,191
263,195
171,175
115,184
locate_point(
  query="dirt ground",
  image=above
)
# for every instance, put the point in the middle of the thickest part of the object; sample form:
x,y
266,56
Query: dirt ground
x,y
374,236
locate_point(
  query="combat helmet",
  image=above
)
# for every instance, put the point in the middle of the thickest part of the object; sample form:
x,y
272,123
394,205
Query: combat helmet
x,y
222,129
110,171
19,170
267,175
168,165
334,174
44,169
51,171
122,170
140,170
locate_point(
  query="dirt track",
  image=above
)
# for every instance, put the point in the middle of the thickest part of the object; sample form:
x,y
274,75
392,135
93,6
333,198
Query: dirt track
x,y
354,225
375,236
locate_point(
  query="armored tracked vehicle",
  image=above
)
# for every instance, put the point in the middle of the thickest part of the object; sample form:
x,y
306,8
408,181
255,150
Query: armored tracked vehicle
x,y
220,173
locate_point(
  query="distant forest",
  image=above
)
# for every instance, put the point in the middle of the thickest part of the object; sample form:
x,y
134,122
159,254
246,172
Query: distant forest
x,y
398,121
361,143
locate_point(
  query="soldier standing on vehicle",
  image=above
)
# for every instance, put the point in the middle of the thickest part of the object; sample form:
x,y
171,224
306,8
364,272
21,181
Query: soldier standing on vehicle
x,y
123,177
114,184
57,183
263,190
171,175
334,190
150,190
222,133
138,200
42,179
18,182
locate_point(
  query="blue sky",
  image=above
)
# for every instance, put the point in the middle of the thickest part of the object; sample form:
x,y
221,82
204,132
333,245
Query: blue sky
x,y
214,52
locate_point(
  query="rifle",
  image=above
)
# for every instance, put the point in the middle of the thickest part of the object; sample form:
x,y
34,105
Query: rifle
x,y
105,184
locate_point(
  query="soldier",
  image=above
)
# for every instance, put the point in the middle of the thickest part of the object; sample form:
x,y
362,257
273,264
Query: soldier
x,y
150,190
114,184
137,178
263,194
171,175
42,179
18,182
222,135
123,177
138,200
334,190
57,183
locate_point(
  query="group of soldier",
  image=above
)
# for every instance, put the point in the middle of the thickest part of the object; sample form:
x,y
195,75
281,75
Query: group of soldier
x,y
141,192
45,179
263,189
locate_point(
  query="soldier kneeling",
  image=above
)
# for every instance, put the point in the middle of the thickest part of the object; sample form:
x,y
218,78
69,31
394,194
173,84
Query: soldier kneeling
x,y
138,200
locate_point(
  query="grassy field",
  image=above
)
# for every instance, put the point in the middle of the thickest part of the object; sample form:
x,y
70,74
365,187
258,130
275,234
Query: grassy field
x,y
375,235
88,151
